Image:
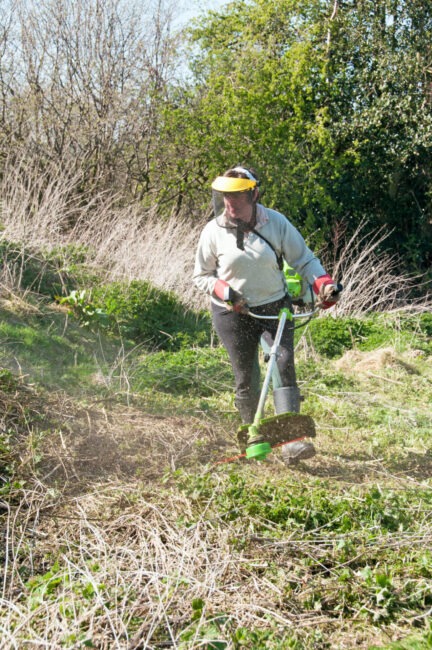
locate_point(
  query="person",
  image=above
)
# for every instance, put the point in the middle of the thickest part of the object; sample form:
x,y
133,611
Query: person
x,y
239,263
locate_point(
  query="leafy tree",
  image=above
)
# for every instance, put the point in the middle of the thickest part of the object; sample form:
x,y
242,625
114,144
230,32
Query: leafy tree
x,y
380,79
329,101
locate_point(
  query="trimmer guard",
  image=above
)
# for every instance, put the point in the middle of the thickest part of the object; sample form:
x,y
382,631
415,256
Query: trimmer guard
x,y
278,429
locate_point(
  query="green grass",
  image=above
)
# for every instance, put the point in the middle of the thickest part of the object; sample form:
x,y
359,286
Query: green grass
x,y
149,316
52,349
331,337
48,273
332,554
195,371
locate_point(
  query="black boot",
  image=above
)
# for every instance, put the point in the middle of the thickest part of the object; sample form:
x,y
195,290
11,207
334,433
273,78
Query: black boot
x,y
287,400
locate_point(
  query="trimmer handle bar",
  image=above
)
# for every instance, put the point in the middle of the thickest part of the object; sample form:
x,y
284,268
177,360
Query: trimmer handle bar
x,y
306,314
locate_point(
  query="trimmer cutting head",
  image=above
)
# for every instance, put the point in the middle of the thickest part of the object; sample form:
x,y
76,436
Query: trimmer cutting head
x,y
276,430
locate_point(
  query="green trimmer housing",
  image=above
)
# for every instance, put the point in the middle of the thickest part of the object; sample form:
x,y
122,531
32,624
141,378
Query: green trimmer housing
x,y
293,281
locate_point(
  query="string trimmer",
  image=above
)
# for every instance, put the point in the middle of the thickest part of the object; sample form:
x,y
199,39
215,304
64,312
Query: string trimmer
x,y
257,439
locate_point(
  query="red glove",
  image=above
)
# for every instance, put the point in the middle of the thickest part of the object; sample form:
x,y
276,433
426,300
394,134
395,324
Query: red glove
x,y
327,290
234,299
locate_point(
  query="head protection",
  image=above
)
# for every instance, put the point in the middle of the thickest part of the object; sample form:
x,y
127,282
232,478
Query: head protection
x,y
227,184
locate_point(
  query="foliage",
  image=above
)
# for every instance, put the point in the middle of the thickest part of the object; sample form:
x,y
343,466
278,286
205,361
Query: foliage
x,y
197,371
303,510
331,337
141,313
331,109
378,73
146,315
88,314
49,273
349,524
207,634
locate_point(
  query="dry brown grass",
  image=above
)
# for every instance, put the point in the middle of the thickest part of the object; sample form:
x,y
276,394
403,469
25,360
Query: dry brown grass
x,y
372,279
135,244
125,243
43,210
135,562
355,361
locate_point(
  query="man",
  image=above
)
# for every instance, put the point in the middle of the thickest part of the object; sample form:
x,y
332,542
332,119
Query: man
x,y
239,263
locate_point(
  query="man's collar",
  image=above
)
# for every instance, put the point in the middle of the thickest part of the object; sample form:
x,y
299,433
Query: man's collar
x,y
261,216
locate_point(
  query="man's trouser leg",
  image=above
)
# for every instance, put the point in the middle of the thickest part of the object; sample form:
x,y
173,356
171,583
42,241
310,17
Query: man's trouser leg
x,y
247,401
240,335
287,399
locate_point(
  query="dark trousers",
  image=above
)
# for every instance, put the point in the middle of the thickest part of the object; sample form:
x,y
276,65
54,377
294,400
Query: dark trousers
x,y
241,334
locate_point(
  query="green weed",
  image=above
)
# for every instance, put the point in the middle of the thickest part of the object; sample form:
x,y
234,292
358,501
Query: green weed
x,y
141,313
200,372
204,629
89,315
331,337
319,506
8,381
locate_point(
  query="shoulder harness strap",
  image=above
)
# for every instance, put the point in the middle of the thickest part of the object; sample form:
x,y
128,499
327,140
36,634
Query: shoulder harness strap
x,y
278,257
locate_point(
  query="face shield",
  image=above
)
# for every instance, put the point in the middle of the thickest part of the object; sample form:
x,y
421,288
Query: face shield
x,y
231,187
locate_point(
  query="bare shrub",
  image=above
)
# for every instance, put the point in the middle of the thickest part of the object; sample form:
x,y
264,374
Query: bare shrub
x,y
372,279
40,207
133,243
44,209
84,81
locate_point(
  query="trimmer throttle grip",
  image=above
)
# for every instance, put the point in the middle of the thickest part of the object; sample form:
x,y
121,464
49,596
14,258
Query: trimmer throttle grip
x,y
337,291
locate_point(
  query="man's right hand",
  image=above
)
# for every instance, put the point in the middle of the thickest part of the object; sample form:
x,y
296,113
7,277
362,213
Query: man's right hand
x,y
327,290
233,299
238,303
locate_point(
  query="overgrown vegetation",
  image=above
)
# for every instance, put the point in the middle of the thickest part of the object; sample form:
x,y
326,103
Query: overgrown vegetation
x,y
128,522
334,336
329,101
124,530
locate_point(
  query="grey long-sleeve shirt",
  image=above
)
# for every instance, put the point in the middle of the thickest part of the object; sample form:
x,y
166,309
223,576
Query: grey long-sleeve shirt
x,y
254,271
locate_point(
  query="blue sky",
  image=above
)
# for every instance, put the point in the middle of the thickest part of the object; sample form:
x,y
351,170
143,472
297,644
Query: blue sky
x,y
193,8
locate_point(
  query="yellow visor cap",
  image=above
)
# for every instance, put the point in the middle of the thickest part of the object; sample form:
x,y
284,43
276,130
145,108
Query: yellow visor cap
x,y
227,184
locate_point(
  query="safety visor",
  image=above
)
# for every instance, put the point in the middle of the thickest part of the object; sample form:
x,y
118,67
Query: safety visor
x,y
228,184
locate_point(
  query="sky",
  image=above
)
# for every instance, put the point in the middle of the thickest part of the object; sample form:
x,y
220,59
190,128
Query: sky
x,y
194,8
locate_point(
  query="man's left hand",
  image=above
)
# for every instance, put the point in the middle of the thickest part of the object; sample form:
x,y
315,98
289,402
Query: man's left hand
x,y
327,290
